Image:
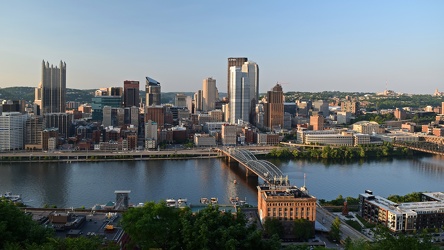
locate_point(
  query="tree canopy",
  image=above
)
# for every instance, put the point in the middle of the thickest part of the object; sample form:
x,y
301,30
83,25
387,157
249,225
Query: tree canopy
x,y
157,226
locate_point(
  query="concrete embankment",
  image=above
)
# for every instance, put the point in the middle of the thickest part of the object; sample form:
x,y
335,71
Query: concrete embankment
x,y
98,156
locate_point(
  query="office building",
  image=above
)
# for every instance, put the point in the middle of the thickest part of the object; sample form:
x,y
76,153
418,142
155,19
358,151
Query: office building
x,y
322,107
131,93
110,91
209,93
51,93
317,121
198,101
62,121
366,127
12,131
156,114
285,203
274,108
239,102
99,102
180,100
251,70
343,117
228,134
233,61
152,88
33,132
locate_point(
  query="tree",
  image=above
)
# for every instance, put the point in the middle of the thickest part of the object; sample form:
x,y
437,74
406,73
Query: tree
x,y
335,232
155,225
273,226
18,228
303,229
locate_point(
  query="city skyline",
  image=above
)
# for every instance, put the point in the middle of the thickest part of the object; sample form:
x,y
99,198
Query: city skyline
x,y
340,45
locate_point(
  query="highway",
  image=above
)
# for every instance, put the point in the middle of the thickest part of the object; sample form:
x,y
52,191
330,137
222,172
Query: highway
x,y
326,218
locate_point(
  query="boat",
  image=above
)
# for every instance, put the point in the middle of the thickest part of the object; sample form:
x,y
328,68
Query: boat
x,y
12,197
214,200
204,200
182,201
171,202
234,201
237,202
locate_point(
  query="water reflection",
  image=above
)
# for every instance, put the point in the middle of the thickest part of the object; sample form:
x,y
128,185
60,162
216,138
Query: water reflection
x,y
85,184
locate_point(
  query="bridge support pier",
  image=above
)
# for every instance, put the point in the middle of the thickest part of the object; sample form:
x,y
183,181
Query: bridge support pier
x,y
249,173
232,162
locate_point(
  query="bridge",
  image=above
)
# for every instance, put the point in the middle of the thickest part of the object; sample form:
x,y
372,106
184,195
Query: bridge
x,y
422,146
265,170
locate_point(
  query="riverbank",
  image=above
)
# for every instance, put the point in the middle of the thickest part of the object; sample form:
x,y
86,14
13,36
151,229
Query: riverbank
x,y
100,156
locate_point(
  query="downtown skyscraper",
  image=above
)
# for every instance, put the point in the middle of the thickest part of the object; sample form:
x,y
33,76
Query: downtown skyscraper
x,y
233,61
50,95
130,93
153,94
244,92
209,93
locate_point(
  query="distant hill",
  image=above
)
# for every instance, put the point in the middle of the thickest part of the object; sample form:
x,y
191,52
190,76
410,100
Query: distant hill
x,y
76,95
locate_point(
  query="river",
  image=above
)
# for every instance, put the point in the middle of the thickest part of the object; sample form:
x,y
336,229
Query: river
x,y
89,183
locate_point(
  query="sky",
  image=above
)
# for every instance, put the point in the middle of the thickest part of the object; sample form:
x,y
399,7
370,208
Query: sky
x,y
363,46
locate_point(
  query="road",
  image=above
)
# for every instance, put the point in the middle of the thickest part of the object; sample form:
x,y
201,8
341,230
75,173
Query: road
x,y
326,218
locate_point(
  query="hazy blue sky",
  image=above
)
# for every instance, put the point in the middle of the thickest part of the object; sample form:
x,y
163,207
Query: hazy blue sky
x,y
308,45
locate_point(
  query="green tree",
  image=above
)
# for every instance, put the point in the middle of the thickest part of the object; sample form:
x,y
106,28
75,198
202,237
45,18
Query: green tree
x,y
273,226
155,225
335,232
18,228
303,230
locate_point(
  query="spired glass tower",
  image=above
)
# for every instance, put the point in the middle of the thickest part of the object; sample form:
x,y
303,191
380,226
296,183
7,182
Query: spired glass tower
x,y
152,88
51,92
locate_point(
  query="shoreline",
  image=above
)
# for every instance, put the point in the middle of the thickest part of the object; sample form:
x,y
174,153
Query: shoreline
x,y
103,156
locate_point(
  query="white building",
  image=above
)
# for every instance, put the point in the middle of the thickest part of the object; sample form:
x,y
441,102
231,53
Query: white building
x,y
228,134
204,140
366,127
344,139
12,125
343,117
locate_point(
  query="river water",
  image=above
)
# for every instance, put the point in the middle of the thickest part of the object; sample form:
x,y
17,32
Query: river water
x,y
89,183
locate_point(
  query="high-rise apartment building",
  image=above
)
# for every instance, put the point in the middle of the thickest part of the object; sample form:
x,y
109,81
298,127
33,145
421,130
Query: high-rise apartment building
x,y
233,61
209,93
152,88
50,95
350,106
274,108
131,93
